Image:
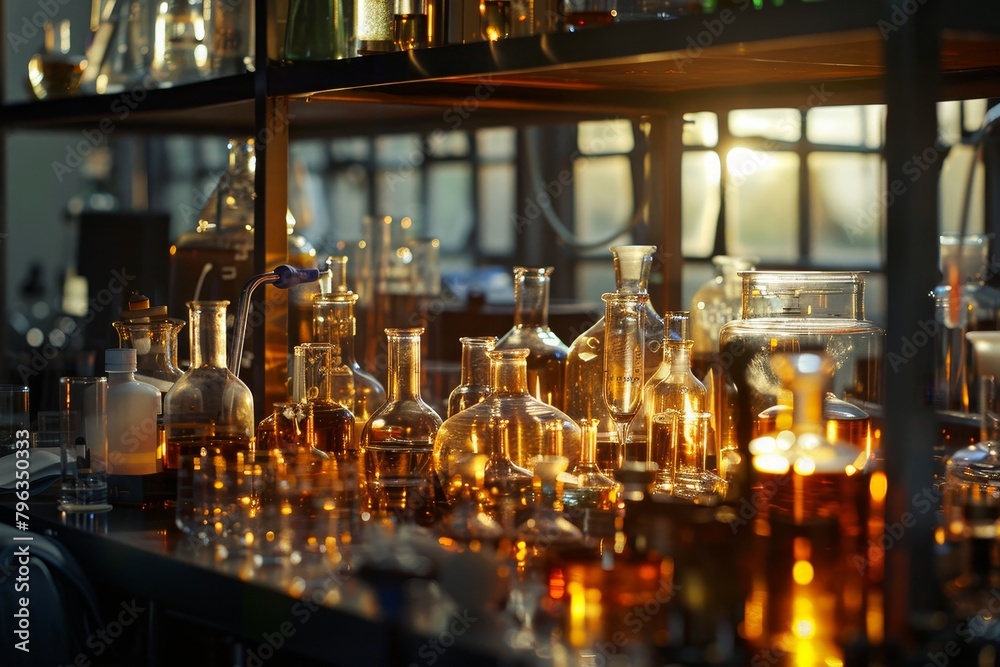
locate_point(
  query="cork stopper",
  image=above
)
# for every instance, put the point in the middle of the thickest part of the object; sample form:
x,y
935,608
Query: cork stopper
x,y
138,308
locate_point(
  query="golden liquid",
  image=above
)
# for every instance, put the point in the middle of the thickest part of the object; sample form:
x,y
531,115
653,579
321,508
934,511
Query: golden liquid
x,y
409,31
334,429
853,430
495,19
55,76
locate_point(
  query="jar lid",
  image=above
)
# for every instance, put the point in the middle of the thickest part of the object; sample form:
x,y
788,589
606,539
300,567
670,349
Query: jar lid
x,y
138,308
120,359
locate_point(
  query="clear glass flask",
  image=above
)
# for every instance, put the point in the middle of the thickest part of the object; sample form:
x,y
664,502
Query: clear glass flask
x,y
55,72
590,498
181,41
333,424
319,30
472,431
209,422
153,335
585,360
334,322
714,303
474,385
398,440
546,364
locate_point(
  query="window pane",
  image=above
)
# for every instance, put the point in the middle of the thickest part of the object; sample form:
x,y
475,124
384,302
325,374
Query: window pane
x,y
311,154
605,137
951,193
700,202
974,111
399,150
700,129
592,278
596,212
846,208
347,150
949,118
448,144
449,204
762,204
496,143
846,126
777,124
496,209
349,202
397,193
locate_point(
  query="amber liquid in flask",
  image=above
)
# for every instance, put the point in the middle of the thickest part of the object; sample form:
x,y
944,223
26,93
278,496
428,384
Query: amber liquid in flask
x,y
495,19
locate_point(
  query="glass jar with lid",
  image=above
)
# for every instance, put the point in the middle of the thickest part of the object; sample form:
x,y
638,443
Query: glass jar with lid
x,y
790,312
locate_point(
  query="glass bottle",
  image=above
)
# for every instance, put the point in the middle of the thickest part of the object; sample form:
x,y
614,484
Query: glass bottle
x,y
316,365
544,523
232,39
319,30
795,311
474,386
674,389
547,354
506,485
585,360
153,336
181,38
471,431
208,416
373,26
812,525
410,28
467,520
589,496
714,303
56,72
334,322
398,440
963,302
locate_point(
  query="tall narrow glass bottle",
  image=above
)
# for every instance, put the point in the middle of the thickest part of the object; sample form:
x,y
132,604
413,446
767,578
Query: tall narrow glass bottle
x,y
334,322
546,352
208,417
585,362
475,383
678,389
397,442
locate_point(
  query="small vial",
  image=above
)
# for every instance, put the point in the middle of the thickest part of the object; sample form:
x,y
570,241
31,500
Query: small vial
x,y
495,19
410,25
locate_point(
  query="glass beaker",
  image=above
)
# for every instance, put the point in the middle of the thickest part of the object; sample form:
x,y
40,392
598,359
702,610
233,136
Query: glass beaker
x,y
153,335
797,311
56,72
585,360
547,354
333,424
209,422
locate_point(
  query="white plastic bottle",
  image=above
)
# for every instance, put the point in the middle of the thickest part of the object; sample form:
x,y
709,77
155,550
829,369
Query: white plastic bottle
x,y
132,410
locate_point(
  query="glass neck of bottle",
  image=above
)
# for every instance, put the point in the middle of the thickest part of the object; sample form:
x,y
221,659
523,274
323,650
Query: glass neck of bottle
x,y
680,355
531,299
632,266
334,322
208,333
312,374
404,366
501,450
807,404
475,362
588,441
509,376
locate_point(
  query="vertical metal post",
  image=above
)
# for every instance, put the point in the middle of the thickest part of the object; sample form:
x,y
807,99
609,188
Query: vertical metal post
x,y
911,59
664,209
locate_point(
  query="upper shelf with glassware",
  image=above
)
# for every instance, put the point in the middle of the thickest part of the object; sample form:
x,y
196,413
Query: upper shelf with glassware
x,y
624,68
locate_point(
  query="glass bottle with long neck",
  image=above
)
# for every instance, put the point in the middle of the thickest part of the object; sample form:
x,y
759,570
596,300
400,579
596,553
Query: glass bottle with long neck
x,y
398,440
547,353
334,322
475,383
676,389
585,362
208,418
333,423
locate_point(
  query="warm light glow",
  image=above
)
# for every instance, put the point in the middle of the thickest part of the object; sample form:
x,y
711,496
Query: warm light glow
x,y
771,463
577,613
805,466
802,572
878,486
557,584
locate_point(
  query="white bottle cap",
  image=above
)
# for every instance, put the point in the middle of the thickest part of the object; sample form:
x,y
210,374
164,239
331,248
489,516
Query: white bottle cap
x,y
120,360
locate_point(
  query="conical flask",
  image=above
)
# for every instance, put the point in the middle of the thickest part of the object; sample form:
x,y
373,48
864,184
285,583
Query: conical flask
x,y
546,363
585,361
473,430
209,422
